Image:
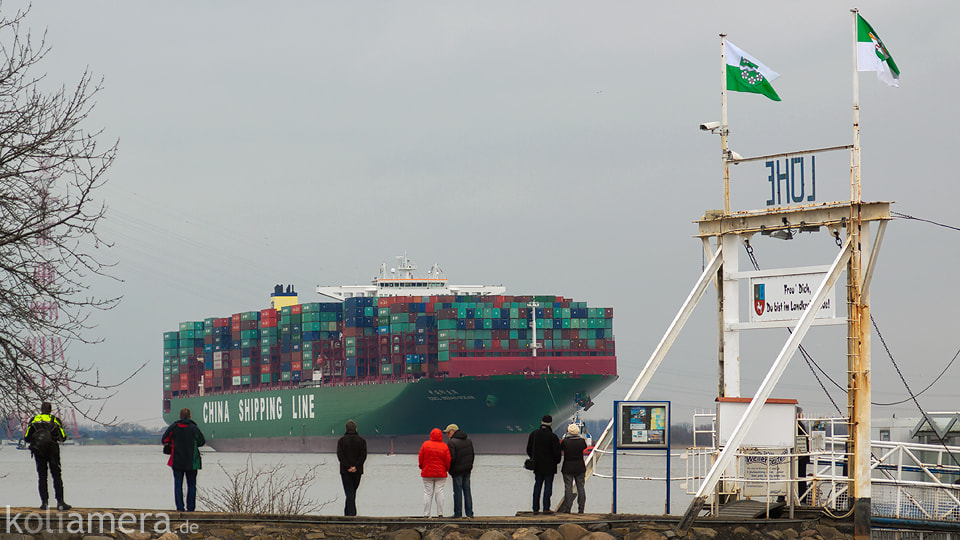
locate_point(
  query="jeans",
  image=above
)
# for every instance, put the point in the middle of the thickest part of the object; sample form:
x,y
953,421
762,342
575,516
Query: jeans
x,y
433,489
568,480
178,475
544,482
462,499
350,481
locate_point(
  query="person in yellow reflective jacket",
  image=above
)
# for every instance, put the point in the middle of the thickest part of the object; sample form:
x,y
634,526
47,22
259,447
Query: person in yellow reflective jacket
x,y
44,435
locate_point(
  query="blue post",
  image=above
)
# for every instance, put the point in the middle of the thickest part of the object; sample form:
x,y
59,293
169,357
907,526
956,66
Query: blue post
x,y
616,435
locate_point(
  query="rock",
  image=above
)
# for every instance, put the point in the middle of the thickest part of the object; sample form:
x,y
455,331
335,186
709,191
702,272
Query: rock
x,y
170,536
223,533
404,534
491,534
473,532
600,535
620,532
645,534
790,534
137,535
828,532
775,535
315,536
550,534
809,533
571,531
703,532
599,527
526,533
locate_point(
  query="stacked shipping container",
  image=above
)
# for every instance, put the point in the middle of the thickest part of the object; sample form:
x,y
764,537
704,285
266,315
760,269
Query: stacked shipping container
x,y
383,339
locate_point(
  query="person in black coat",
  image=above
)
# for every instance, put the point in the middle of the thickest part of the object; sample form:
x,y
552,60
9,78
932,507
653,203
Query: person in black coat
x,y
185,439
543,446
573,469
461,463
351,452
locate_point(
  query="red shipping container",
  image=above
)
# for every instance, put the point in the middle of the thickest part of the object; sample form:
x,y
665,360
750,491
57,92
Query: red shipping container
x,y
296,366
235,318
296,309
235,327
268,313
236,372
296,356
268,323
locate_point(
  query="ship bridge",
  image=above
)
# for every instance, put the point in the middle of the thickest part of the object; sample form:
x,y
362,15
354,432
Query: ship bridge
x,y
400,281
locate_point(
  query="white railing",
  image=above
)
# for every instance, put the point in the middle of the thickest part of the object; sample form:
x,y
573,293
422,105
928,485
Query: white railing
x,y
909,481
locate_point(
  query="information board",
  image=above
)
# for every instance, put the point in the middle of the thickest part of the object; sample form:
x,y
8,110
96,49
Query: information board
x,y
643,424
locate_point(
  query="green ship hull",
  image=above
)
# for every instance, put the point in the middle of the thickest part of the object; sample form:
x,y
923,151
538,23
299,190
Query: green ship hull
x,y
496,411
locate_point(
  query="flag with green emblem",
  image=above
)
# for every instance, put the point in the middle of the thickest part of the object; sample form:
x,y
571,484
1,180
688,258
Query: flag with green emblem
x,y
872,55
746,74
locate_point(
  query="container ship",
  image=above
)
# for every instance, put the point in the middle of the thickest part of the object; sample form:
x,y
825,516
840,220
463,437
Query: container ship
x,y
400,356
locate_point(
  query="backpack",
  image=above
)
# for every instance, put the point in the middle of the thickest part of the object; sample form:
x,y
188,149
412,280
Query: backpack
x,y
41,437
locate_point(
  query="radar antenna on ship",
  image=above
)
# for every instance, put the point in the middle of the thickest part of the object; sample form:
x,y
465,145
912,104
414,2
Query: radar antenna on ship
x,y
405,266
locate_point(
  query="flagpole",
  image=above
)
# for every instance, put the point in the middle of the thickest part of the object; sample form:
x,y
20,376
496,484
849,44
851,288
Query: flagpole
x,y
858,331
723,124
855,157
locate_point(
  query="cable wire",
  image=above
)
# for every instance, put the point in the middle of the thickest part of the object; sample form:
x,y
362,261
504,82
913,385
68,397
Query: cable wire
x,y
938,224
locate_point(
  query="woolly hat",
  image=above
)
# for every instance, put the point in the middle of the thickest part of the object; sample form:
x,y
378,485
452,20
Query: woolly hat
x,y
547,420
573,429
452,427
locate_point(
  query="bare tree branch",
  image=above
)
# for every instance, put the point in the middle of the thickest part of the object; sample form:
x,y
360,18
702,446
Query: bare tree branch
x,y
50,169
265,489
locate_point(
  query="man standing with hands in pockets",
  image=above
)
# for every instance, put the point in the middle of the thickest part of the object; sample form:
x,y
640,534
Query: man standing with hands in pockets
x,y
461,463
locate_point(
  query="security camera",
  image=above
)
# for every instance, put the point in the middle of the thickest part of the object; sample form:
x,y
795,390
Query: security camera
x,y
710,126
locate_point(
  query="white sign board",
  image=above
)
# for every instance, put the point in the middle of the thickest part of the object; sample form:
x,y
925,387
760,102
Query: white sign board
x,y
785,297
765,471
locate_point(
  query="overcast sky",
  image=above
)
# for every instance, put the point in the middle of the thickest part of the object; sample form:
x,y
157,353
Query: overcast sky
x,y
551,147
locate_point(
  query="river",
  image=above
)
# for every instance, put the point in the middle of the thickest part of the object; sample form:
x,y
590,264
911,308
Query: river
x,y
138,477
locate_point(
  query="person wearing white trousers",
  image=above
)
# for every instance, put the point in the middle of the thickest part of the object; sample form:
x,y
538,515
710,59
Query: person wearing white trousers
x,y
433,488
434,460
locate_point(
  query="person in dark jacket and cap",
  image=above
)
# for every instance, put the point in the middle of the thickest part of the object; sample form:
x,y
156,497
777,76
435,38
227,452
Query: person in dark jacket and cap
x,y
461,463
185,439
543,446
352,452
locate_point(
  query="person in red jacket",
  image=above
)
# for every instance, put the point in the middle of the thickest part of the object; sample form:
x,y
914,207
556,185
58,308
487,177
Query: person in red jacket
x,y
434,463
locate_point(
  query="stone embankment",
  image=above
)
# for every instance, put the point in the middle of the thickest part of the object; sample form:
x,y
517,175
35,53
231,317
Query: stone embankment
x,y
113,524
